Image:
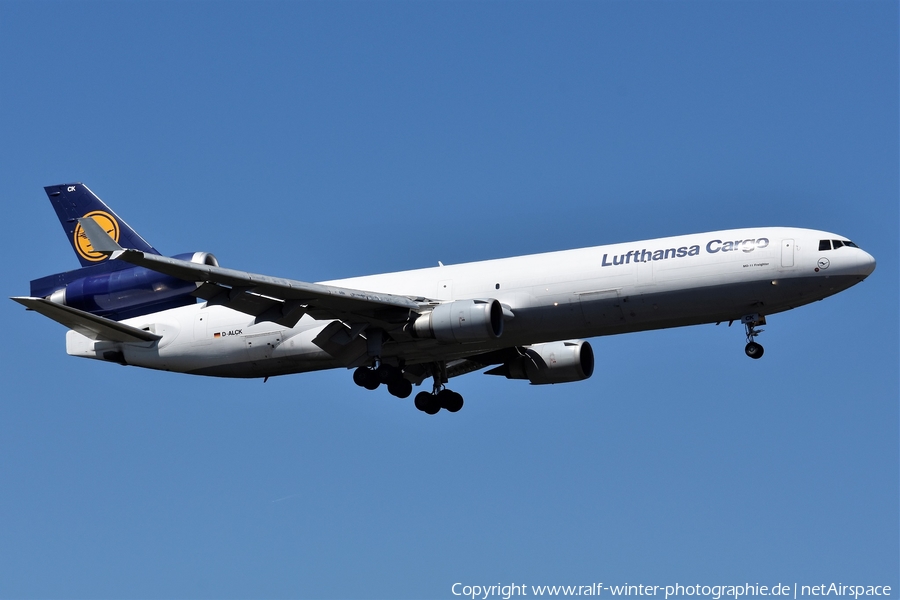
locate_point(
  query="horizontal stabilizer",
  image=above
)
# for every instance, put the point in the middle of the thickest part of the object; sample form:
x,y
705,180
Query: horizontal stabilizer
x,y
88,325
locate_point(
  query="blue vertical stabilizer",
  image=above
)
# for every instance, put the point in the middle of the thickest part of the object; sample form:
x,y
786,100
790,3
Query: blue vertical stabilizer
x,y
73,201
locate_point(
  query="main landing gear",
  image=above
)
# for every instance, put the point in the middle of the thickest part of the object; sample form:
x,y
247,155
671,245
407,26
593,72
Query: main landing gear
x,y
431,403
428,402
440,397
753,349
389,375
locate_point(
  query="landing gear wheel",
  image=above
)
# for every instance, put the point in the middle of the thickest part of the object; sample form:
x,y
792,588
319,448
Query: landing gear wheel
x,y
400,388
365,377
753,350
427,403
451,401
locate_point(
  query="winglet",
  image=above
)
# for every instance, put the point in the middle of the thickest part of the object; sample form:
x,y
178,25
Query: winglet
x,y
99,239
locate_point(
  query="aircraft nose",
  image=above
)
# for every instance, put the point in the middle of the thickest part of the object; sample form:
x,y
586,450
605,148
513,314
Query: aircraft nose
x,y
866,263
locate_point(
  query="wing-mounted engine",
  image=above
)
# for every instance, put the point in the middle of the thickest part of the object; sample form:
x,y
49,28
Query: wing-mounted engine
x,y
461,321
119,290
553,362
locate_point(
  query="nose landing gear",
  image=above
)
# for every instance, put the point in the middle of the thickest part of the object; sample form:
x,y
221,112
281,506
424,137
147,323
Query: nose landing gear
x,y
753,349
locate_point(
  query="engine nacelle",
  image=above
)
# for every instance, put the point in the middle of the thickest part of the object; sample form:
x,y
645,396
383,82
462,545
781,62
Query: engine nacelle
x,y
121,292
461,321
553,362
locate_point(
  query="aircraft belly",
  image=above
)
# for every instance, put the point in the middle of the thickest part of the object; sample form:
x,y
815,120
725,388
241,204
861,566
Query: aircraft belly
x,y
715,303
267,368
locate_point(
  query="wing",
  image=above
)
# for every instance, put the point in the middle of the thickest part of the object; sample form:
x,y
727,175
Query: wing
x,y
283,301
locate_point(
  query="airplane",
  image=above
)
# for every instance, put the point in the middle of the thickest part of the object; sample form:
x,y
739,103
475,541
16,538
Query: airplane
x,y
525,317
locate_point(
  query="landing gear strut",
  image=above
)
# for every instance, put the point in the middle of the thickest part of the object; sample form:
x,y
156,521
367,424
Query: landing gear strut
x,y
440,397
753,349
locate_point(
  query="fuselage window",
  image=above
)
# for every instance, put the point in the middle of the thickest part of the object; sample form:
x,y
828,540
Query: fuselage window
x,y
837,243
824,245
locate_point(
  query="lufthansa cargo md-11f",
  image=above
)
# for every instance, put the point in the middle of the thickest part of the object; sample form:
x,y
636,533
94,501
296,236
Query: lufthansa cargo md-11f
x,y
520,316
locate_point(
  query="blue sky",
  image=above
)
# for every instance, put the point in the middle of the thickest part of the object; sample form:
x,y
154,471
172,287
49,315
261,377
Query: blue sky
x,y
326,140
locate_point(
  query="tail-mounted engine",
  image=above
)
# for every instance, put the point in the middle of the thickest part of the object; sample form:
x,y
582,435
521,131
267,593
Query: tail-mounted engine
x,y
553,362
461,321
118,290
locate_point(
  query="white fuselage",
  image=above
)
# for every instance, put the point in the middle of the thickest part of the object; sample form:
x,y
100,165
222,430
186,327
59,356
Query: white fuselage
x,y
619,288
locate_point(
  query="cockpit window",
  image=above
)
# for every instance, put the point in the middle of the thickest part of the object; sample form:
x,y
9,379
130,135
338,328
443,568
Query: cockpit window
x,y
829,244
